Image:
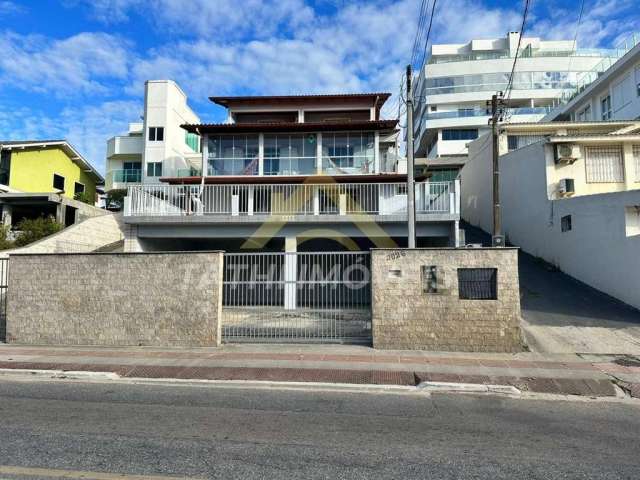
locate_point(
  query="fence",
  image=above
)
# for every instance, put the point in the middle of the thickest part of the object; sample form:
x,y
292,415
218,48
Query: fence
x,y
296,297
289,199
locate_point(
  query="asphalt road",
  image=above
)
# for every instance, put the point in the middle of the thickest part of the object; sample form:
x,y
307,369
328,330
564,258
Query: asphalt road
x,y
55,428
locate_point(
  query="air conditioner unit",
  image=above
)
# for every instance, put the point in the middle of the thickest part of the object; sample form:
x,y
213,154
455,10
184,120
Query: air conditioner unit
x,y
567,187
566,153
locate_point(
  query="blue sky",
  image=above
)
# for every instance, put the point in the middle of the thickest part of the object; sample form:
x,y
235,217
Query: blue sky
x,y
75,69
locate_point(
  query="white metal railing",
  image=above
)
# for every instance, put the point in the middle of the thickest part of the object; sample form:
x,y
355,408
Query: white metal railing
x,y
291,199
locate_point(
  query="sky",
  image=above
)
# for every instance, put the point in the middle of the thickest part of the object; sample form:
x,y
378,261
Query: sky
x,y
76,69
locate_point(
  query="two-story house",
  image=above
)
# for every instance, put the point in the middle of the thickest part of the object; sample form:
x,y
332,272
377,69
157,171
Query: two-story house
x,y
292,173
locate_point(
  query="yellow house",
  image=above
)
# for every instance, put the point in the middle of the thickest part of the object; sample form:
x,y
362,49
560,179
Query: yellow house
x,y
45,177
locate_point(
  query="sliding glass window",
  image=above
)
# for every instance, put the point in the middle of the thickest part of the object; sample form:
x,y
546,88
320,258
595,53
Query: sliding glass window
x,y
348,153
499,81
233,155
286,154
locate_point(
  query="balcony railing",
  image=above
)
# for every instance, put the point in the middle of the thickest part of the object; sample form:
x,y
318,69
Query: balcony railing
x,y
290,199
481,112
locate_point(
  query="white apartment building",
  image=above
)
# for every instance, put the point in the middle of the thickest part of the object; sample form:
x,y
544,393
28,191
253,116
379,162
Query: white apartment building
x,y
610,91
458,80
157,146
569,194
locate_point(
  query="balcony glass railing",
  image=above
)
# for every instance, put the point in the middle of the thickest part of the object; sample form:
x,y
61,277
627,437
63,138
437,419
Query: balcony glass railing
x,y
126,176
526,53
188,172
484,113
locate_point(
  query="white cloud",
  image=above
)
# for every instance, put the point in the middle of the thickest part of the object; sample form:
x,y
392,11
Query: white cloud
x,y
87,127
10,8
78,64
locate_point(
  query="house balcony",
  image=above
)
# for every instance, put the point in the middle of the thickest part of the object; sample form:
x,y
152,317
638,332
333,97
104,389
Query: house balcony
x,y
125,146
121,179
290,202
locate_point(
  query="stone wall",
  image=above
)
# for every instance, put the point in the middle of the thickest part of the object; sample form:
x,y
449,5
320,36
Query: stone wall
x,y
415,309
156,299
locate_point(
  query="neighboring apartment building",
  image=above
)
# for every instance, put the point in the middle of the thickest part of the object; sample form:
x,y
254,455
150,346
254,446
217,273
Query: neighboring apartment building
x,y
45,177
157,146
611,91
309,172
458,80
569,193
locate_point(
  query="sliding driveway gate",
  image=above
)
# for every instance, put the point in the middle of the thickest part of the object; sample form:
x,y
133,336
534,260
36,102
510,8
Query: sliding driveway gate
x,y
297,297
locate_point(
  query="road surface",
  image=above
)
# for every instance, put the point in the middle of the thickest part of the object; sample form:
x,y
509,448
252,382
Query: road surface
x,y
55,428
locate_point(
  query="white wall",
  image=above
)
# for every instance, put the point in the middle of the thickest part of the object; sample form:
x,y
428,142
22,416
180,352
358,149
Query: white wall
x,y
597,250
476,182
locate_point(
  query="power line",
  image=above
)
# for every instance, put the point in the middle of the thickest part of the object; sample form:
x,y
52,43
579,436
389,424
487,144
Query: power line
x,y
417,41
509,88
426,41
575,37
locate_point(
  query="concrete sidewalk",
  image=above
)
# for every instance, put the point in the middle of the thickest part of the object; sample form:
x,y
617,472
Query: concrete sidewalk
x,y
565,374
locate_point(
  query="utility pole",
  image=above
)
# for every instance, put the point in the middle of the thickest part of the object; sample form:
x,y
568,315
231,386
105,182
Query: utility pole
x,y
497,240
411,189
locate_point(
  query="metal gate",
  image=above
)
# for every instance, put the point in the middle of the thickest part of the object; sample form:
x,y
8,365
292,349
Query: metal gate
x,y
297,297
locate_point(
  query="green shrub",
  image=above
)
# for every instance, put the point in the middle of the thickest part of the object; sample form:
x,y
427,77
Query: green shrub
x,y
32,230
85,197
5,243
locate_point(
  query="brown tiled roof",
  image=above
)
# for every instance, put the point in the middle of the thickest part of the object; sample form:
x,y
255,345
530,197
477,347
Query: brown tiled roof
x,y
376,97
370,125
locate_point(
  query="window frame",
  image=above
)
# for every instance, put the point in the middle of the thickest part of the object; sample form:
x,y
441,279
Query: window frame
x,y
460,131
477,294
594,166
154,166
75,188
156,134
606,113
63,182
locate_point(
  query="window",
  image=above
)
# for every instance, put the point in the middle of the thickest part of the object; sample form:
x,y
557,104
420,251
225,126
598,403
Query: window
x,y
131,172
433,108
154,169
466,112
637,80
477,283
565,223
621,92
78,188
156,134
636,158
632,220
348,152
585,114
605,107
460,134
289,154
604,165
512,142
58,182
233,154
499,81
5,166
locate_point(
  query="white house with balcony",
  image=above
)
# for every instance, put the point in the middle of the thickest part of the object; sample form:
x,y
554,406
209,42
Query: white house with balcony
x,y
156,146
457,81
569,194
291,173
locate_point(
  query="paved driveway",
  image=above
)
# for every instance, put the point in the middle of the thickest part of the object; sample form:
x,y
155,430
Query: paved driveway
x,y
562,315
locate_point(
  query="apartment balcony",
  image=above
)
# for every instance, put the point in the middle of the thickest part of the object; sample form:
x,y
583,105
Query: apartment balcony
x,y
121,179
127,146
290,203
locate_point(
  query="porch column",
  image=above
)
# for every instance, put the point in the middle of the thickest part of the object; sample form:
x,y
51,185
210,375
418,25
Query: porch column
x,y
261,154
205,156
290,272
376,152
60,213
319,153
7,212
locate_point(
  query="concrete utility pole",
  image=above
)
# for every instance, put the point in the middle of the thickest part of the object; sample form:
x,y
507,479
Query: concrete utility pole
x,y
411,189
497,239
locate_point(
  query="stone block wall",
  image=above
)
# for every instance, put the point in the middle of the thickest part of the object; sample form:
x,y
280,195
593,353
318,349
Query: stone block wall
x,y
406,316
115,299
